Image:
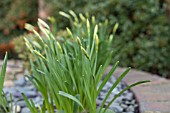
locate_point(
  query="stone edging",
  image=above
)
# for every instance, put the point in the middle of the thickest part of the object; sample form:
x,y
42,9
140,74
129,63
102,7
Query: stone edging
x,y
153,97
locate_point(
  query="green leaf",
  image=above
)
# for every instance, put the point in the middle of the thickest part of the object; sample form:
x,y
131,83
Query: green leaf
x,y
30,105
114,85
60,111
2,74
71,97
76,106
108,77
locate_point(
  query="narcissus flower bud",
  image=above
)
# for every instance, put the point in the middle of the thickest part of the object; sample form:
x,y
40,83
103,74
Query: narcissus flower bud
x,y
85,53
88,27
79,41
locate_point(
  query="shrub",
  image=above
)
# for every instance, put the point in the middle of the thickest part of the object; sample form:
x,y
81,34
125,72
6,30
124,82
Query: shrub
x,y
21,49
143,35
14,14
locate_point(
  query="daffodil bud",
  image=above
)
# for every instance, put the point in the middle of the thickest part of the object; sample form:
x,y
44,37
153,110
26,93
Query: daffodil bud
x,y
115,27
96,42
110,39
59,47
69,32
39,54
64,14
28,44
29,27
93,20
74,15
82,17
79,41
88,27
41,22
51,19
85,53
37,34
95,31
106,22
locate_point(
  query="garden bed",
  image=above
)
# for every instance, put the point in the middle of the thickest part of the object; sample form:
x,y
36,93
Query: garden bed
x,y
126,103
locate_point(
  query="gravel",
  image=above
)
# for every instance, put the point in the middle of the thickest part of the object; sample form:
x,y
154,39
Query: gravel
x,y
126,103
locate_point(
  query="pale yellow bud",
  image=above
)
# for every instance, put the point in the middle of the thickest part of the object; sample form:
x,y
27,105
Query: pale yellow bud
x,y
51,19
39,37
95,31
93,20
29,27
64,14
41,22
39,54
69,32
74,15
110,39
115,27
88,27
82,17
97,42
28,44
85,53
106,22
79,41
59,47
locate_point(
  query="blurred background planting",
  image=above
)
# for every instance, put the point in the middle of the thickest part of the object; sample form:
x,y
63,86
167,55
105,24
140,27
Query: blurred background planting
x,y
141,41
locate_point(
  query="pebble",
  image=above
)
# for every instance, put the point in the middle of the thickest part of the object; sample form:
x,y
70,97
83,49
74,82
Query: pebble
x,y
25,110
20,82
16,108
21,103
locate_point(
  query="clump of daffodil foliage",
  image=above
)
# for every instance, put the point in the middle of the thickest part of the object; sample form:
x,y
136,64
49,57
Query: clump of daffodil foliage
x,y
68,71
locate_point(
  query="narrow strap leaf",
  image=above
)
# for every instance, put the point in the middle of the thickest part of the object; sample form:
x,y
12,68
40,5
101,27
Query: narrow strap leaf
x,y
2,74
107,77
71,97
114,85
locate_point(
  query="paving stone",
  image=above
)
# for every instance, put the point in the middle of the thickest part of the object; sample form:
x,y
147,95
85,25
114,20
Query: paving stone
x,y
8,83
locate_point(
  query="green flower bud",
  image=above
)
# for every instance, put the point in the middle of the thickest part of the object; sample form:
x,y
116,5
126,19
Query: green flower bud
x,y
85,53
115,27
95,31
88,27
79,41
41,22
39,54
69,32
82,17
64,14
